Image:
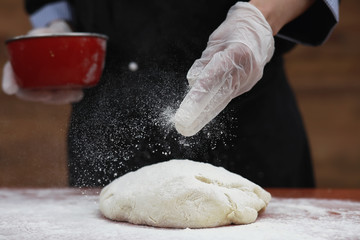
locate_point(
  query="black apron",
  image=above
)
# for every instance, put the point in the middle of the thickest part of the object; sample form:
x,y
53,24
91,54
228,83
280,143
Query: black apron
x,y
123,123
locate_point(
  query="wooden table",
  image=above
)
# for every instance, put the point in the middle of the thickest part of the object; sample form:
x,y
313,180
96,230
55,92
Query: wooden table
x,y
328,193
73,214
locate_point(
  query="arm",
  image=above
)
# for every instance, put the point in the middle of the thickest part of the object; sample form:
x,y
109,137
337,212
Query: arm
x,y
237,52
307,22
43,12
280,12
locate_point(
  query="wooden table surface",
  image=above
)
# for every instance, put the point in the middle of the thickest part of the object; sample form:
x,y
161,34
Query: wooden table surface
x,y
69,213
328,193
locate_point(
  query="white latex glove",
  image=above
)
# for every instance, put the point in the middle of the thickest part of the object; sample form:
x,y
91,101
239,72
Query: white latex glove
x,y
231,64
63,96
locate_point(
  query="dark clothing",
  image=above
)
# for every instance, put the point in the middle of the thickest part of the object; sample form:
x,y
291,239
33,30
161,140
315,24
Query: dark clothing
x,y
33,5
122,124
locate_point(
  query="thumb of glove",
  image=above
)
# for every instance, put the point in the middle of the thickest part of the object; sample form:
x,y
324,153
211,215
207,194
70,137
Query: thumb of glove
x,y
8,83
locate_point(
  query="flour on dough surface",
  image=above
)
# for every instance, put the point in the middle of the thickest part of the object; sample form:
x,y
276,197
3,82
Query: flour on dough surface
x,y
183,194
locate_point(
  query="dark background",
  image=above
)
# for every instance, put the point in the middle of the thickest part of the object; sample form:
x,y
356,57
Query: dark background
x,y
326,80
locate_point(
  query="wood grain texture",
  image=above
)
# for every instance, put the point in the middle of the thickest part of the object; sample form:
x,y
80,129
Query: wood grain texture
x,y
326,80
32,136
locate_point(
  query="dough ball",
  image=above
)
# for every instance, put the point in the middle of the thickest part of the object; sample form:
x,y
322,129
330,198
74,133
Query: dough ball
x,y
183,194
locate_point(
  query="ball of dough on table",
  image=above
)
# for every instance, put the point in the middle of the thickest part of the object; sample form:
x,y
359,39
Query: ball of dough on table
x,y
183,194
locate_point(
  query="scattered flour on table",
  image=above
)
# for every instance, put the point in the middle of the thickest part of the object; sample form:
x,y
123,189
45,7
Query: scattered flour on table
x,y
70,214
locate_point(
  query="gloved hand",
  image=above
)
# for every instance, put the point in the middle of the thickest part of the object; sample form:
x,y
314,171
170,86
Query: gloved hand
x,y
231,64
63,96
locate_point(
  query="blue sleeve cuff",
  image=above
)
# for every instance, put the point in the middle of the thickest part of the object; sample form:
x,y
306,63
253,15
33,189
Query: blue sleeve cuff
x,y
314,26
51,12
333,5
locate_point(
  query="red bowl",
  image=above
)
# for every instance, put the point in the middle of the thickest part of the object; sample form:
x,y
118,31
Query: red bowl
x,y
56,61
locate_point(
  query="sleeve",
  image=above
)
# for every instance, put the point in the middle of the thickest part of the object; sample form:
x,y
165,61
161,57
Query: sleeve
x,y
43,12
314,26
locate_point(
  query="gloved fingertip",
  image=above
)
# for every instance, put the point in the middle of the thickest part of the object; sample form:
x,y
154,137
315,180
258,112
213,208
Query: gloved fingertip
x,y
186,132
78,96
60,26
183,123
39,31
8,81
11,90
65,97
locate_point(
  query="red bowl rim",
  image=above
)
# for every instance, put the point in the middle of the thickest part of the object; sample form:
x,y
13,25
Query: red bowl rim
x,y
52,35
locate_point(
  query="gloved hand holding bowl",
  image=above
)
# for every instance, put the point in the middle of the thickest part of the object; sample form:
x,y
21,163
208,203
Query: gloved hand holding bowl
x,y
53,64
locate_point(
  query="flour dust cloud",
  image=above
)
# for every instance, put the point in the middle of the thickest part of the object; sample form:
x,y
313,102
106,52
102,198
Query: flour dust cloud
x,y
127,123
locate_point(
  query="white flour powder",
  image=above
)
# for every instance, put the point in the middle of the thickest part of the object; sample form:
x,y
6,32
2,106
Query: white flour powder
x,y
73,214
